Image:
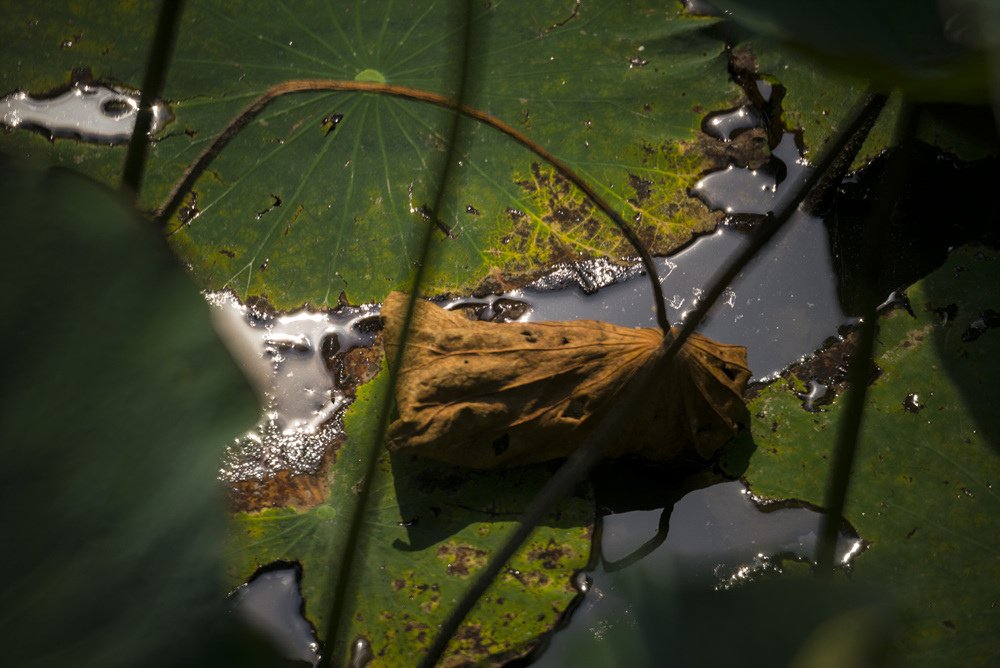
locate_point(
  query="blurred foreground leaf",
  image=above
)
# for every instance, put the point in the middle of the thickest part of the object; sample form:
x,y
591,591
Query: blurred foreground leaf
x,y
117,397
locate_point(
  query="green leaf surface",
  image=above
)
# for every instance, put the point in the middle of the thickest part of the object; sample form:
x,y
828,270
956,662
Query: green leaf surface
x,y
934,51
615,90
117,397
923,488
817,100
432,527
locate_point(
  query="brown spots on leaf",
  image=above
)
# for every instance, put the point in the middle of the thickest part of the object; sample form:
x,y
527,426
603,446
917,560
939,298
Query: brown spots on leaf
x,y
462,559
551,555
469,638
915,337
358,366
642,188
563,211
495,283
299,210
743,62
515,214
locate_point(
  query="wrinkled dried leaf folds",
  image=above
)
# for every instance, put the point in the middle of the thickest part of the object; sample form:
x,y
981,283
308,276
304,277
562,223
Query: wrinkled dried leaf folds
x,y
487,395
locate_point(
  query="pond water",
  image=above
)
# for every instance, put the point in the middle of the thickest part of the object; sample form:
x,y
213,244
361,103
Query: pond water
x,y
718,538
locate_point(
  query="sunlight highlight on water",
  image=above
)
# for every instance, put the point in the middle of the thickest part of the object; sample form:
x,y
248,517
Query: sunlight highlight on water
x,y
90,112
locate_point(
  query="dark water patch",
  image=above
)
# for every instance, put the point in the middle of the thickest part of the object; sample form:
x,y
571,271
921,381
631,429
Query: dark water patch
x,y
752,191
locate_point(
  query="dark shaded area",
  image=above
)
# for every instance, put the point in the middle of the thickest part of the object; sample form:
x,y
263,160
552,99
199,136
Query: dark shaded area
x,y
437,500
944,203
631,484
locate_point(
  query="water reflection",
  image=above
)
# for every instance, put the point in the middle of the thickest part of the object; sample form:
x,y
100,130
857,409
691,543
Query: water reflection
x,y
718,538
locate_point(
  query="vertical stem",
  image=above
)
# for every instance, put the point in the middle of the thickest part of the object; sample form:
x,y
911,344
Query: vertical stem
x,y
152,85
343,564
859,374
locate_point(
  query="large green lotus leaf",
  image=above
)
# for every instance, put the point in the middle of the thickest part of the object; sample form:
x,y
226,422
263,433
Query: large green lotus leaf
x,y
922,492
430,529
615,89
117,398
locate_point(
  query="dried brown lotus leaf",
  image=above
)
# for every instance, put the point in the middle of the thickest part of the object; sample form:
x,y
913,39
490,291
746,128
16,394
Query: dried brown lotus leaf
x,y
488,395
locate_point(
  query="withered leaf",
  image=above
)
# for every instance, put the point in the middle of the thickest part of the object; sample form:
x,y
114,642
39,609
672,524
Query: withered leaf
x,y
487,395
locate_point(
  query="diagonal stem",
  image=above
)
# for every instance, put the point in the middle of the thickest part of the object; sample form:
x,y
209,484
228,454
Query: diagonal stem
x,y
343,564
870,105
859,374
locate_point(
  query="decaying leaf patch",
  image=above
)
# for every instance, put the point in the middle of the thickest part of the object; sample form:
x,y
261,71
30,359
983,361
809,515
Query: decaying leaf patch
x,y
488,395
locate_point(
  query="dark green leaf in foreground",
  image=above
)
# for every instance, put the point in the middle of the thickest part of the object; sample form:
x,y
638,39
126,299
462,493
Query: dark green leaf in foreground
x,y
432,528
117,397
324,192
923,489
936,51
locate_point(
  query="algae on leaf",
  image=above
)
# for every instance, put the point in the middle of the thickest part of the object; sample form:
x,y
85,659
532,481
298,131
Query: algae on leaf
x,y
923,489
